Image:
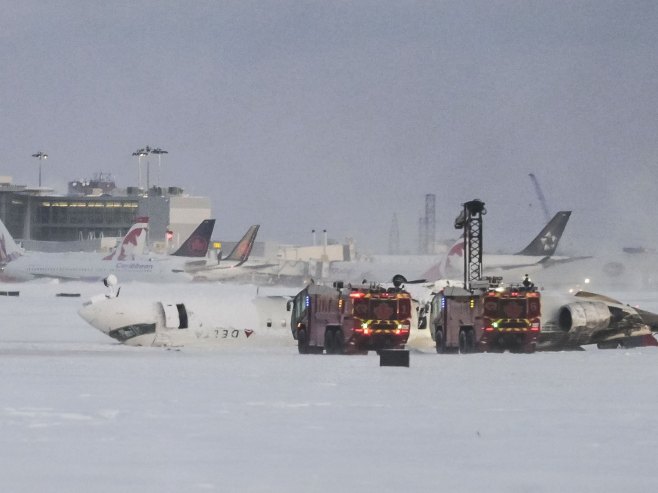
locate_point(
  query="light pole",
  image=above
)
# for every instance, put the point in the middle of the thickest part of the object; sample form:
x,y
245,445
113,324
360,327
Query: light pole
x,y
41,156
159,153
140,153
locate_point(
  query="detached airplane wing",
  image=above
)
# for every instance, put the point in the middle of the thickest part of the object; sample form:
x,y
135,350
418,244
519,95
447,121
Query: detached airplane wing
x,y
648,318
590,318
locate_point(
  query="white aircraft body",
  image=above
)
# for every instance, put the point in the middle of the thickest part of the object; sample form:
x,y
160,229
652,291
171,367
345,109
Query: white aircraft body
x,y
259,272
537,255
224,316
127,260
629,269
235,266
381,268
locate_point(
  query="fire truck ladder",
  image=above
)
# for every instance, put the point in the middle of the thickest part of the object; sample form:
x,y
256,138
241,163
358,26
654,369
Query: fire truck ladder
x,y
470,220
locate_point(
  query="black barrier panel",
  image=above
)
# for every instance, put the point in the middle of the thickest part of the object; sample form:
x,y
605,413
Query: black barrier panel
x,y
69,295
394,357
9,293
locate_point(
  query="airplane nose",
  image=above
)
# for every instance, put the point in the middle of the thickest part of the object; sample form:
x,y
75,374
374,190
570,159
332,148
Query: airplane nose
x,y
123,319
92,313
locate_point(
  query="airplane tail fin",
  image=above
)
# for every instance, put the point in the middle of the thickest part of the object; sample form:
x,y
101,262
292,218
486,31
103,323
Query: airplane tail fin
x,y
197,243
450,264
545,243
9,249
133,243
242,250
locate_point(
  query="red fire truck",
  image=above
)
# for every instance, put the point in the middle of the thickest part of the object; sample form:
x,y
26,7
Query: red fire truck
x,y
492,318
351,319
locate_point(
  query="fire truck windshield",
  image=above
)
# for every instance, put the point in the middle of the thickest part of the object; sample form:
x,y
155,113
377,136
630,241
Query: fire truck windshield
x,y
378,309
503,308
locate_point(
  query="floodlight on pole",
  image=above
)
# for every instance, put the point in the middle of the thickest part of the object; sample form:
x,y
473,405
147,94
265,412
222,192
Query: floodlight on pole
x,y
140,153
159,152
41,156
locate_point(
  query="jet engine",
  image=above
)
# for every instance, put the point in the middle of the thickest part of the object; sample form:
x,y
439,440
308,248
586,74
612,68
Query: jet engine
x,y
589,316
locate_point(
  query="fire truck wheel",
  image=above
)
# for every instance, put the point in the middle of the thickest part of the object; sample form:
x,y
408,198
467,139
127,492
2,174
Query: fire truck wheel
x,y
470,341
529,348
329,345
339,341
302,341
440,342
462,341
466,341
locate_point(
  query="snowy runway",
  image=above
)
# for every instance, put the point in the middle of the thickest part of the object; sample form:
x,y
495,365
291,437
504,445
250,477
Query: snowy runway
x,y
81,413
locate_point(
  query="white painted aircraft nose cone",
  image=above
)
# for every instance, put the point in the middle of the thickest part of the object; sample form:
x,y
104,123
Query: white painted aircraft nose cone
x,y
89,313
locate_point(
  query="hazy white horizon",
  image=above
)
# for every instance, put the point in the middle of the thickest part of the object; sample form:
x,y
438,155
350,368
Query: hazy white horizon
x,y
337,115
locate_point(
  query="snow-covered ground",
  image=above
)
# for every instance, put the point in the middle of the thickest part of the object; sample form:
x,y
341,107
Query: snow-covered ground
x,y
81,413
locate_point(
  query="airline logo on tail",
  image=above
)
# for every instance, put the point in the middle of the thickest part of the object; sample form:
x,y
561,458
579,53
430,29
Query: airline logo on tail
x,y
197,243
4,256
449,265
549,242
3,251
242,250
545,243
133,243
9,250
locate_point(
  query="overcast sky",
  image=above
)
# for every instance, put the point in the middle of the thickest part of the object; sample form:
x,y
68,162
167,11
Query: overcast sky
x,y
336,115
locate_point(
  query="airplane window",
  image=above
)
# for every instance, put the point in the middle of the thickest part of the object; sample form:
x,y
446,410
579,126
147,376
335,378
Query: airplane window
x,y
128,332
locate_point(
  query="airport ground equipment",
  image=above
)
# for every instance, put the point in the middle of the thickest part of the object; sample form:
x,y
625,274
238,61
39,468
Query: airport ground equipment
x,y
350,319
488,317
394,357
483,314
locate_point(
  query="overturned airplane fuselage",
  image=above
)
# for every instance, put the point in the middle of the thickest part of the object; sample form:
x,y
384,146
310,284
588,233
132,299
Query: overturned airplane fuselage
x,y
211,321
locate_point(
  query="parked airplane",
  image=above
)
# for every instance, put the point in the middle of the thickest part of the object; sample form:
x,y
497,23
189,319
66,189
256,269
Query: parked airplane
x,y
232,266
127,260
21,265
380,268
229,316
616,270
538,254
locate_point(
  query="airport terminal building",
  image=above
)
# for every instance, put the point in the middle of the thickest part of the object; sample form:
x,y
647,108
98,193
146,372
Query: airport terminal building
x,y
95,212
